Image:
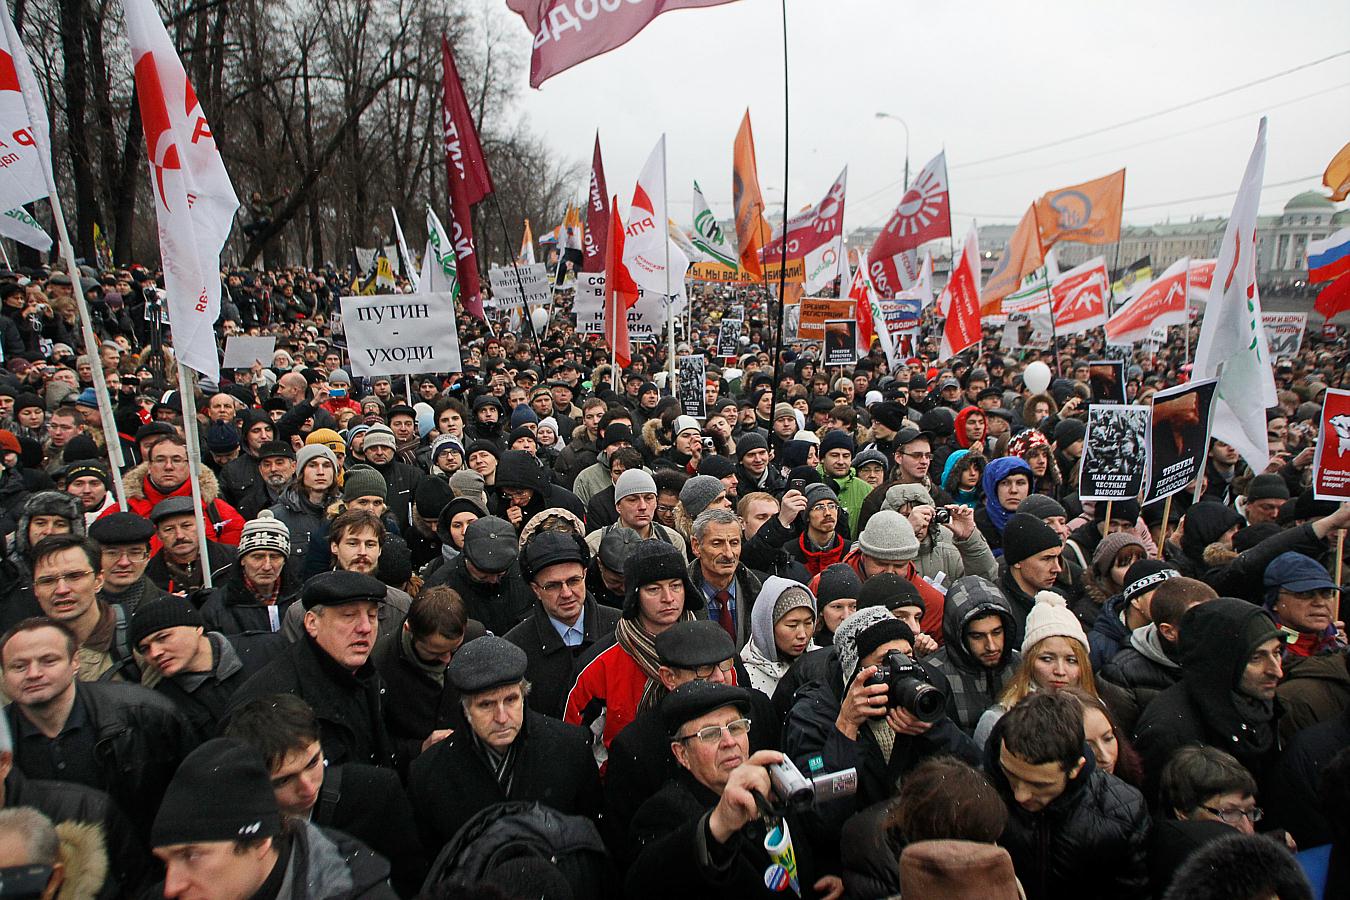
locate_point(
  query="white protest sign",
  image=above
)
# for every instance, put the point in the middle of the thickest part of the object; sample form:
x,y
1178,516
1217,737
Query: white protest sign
x,y
401,334
1284,332
646,320
242,351
506,287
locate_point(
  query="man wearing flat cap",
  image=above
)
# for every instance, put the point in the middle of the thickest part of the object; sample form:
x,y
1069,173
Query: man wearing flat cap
x,y
640,761
487,576
330,668
124,543
702,834
566,620
176,567
507,751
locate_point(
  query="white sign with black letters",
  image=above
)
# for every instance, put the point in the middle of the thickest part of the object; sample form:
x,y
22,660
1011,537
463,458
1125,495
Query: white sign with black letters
x,y
401,334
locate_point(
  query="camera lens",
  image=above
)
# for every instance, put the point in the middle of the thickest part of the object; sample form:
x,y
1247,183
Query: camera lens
x,y
924,701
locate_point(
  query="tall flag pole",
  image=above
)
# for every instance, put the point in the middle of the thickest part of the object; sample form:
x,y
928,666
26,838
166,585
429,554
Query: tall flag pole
x,y
28,177
468,178
403,249
621,295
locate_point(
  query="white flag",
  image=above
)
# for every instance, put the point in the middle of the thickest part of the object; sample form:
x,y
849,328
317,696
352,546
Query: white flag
x,y
194,200
1232,343
403,251
19,225
708,236
646,239
26,175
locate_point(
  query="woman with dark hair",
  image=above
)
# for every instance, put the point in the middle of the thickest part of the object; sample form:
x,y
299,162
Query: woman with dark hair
x,y
1033,446
1111,746
961,477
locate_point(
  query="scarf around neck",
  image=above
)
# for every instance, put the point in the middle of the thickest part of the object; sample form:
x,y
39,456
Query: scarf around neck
x,y
638,643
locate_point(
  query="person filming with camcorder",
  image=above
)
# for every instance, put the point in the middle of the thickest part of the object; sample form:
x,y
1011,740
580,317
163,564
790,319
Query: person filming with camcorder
x,y
731,824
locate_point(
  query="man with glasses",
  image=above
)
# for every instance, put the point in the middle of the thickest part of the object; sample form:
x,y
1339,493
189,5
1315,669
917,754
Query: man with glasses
x,y
506,752
913,464
124,541
1303,598
689,835
67,576
566,620
164,474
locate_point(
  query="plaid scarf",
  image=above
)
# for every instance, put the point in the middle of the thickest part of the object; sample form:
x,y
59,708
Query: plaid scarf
x,y
640,645
266,599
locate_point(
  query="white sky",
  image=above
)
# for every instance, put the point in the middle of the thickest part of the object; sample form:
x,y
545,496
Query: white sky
x,y
980,77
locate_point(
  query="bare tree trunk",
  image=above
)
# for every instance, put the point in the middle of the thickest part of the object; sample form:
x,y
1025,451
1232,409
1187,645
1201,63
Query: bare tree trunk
x,y
73,14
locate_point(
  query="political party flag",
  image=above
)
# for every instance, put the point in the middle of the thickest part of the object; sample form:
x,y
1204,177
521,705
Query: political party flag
x,y
526,255
27,172
861,295
923,287
440,269
708,236
1329,258
597,215
1159,303
747,202
20,226
404,255
924,214
815,236
567,32
1088,213
1078,297
621,291
1232,343
1337,175
468,177
1334,298
194,200
647,246
1199,279
962,328
1023,255
571,246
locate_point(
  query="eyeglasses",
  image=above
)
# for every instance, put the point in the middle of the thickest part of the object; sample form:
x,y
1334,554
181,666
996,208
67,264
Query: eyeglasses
x,y
664,509
135,554
168,461
918,455
51,581
713,733
575,585
1235,816
706,671
826,506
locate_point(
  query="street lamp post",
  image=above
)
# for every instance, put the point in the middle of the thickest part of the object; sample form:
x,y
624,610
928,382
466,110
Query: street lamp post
x,y
905,125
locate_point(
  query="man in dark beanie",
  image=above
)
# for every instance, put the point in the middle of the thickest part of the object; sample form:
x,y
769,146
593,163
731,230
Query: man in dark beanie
x,y
507,752
1266,494
87,481
596,477
620,676
1031,562
753,472
220,834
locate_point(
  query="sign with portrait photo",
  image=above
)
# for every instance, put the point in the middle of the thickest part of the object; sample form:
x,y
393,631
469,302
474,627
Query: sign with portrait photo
x,y
1178,437
1106,378
841,342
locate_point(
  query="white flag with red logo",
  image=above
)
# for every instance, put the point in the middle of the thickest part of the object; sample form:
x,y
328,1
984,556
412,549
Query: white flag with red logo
x,y
924,214
655,261
27,167
816,237
194,200
1199,280
1160,303
1078,296
1232,342
962,300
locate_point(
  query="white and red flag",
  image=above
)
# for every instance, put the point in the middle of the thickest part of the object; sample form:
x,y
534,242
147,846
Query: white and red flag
x,y
1199,280
621,291
962,300
597,215
1078,297
468,176
567,32
194,200
27,172
924,214
1159,303
816,237
655,262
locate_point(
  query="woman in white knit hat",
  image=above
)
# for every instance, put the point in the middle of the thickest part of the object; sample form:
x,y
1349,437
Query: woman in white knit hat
x,y
1054,656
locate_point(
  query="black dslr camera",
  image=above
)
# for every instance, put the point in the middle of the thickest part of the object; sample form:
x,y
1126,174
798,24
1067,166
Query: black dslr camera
x,y
909,687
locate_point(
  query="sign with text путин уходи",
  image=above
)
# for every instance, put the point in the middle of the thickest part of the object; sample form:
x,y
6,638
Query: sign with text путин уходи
x,y
401,334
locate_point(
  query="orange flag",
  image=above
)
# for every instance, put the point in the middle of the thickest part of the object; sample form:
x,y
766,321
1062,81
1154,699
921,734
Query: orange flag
x,y
1021,257
1337,175
1088,213
621,291
751,228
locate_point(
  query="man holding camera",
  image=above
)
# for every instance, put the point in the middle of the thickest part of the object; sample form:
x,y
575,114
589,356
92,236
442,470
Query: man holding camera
x,y
884,726
700,835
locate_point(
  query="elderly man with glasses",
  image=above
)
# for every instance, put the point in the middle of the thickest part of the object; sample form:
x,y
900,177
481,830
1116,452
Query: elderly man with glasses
x,y
124,542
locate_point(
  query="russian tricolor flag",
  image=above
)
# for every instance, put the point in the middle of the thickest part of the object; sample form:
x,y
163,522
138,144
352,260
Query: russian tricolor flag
x,y
1329,258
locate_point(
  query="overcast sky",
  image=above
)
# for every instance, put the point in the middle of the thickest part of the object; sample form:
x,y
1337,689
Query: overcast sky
x,y
980,78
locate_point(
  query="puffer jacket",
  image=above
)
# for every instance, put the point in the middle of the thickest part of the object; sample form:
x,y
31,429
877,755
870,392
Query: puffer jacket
x,y
975,686
224,522
301,517
760,653
1090,841
1109,634
1142,671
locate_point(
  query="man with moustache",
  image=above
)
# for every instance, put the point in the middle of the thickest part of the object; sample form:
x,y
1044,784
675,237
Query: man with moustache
x,y
177,566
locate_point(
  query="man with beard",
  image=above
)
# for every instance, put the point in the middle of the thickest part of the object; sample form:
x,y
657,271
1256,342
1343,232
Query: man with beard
x,y
270,470
177,567
400,479
124,541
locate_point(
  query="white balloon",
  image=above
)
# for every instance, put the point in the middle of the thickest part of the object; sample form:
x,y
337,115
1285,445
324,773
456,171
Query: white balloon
x,y
539,319
1036,377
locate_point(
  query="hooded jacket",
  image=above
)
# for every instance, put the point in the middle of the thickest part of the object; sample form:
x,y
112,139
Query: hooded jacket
x,y
975,686
1108,635
993,516
1205,523
224,522
760,653
1217,640
1142,670
518,469
302,518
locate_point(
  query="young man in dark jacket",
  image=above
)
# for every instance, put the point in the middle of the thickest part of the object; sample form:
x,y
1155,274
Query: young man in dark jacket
x,y
977,654
1073,831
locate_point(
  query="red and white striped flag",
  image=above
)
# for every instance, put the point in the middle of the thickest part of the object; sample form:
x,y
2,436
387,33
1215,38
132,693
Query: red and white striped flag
x,y
194,200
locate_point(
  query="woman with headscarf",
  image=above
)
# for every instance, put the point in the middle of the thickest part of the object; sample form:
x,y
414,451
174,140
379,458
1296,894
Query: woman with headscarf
x,y
961,477
1006,483
781,625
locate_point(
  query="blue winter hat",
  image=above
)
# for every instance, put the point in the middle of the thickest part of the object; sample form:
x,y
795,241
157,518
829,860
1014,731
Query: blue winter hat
x,y
1296,573
523,415
87,398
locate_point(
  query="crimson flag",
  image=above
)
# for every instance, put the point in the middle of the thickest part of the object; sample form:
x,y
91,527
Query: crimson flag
x,y
621,291
962,328
468,178
1335,297
597,215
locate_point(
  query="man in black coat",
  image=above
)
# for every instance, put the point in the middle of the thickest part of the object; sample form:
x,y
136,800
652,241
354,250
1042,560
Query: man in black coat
x,y
507,752
566,620
701,835
330,668
524,489
119,738
486,576
124,542
400,479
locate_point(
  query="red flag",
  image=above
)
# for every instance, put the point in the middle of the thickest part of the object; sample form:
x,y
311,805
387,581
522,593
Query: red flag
x,y
860,293
1335,297
963,300
567,32
1160,302
468,177
924,214
597,215
621,291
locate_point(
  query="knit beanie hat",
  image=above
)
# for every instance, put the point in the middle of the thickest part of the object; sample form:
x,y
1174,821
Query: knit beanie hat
x,y
1042,507
836,439
379,436
1069,431
164,611
266,532
222,791
872,456
466,483
222,437
889,536
431,496
1051,617
1145,575
747,442
1104,557
716,466
817,493
81,446
847,634
523,415
655,560
890,592
329,438
310,452
1266,486
784,411
794,597
633,481
88,469
698,492
363,481
1025,536
838,582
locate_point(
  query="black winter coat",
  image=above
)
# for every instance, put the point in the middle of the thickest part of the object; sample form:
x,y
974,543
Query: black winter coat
x,y
232,609
552,667
401,481
1140,680
553,765
349,706
1090,841
501,606
416,704
369,804
1296,801
202,698
518,469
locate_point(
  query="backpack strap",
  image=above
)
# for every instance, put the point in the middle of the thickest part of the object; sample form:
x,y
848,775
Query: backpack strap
x,y
124,660
330,794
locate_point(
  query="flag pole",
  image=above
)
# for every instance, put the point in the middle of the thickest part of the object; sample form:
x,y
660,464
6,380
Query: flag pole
x,y
5,253
520,282
670,298
187,389
783,261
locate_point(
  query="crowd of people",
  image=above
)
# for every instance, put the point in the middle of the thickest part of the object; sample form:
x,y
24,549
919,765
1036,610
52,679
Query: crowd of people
x,y
531,630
